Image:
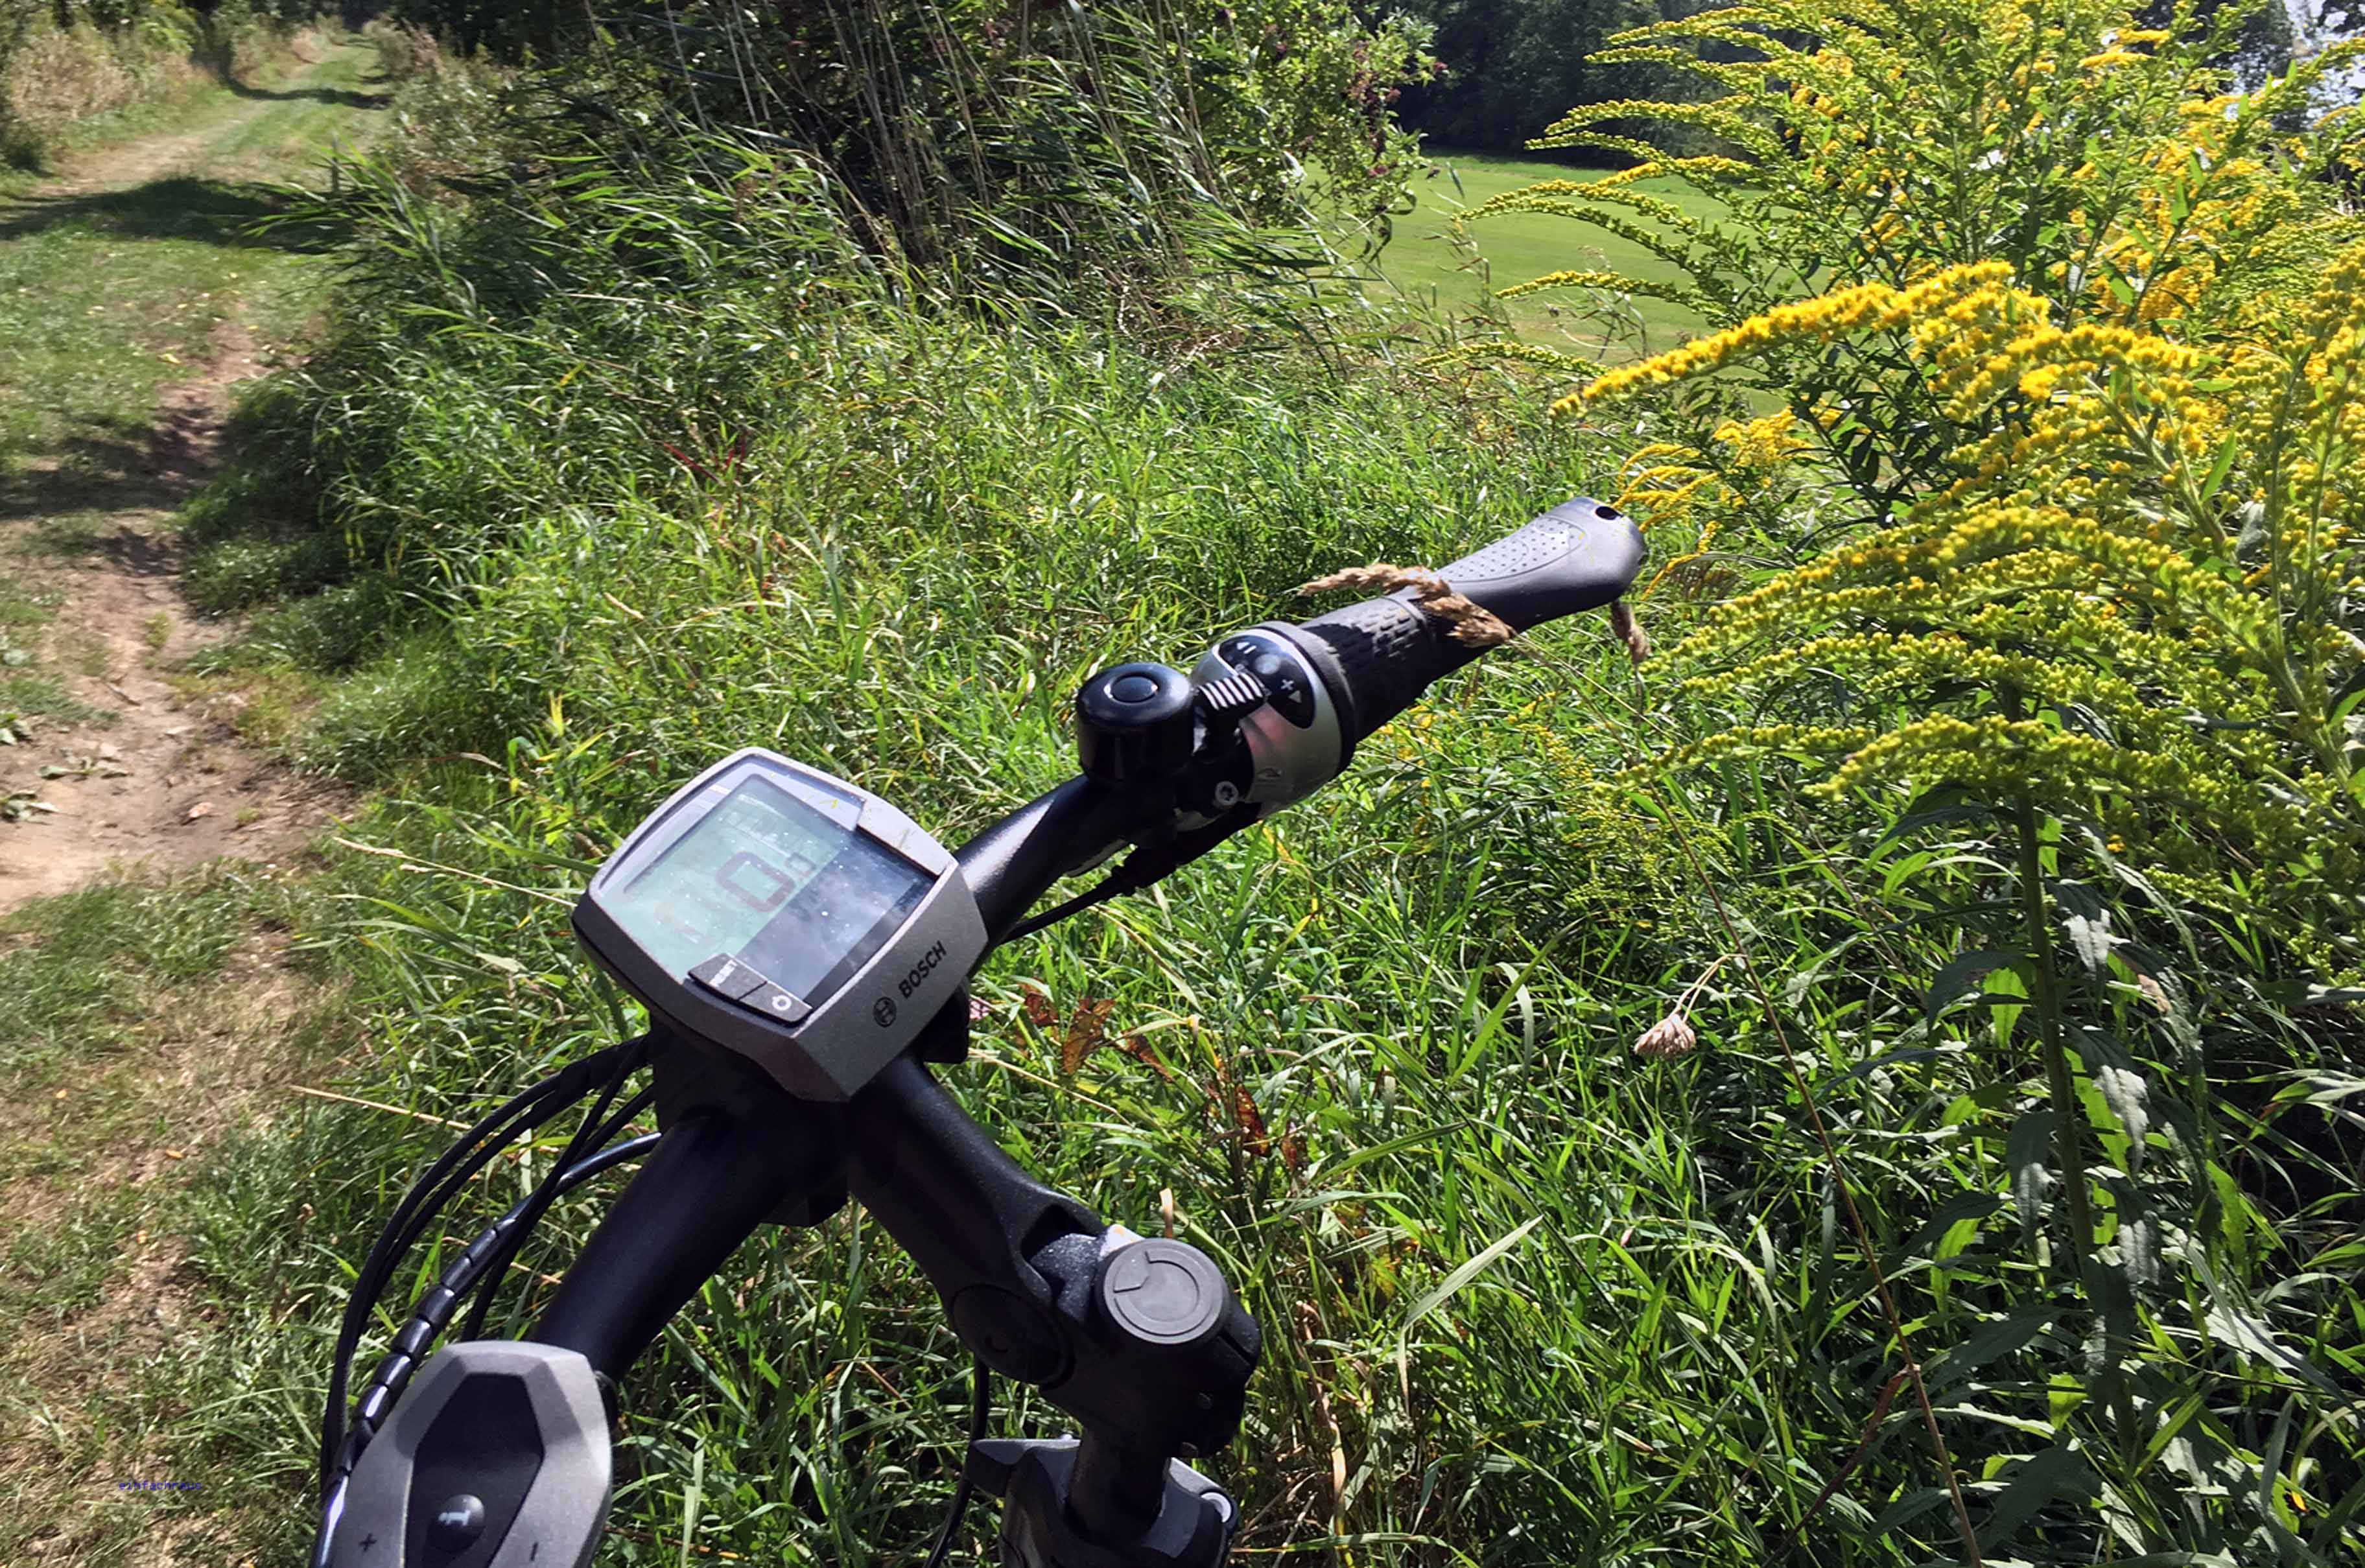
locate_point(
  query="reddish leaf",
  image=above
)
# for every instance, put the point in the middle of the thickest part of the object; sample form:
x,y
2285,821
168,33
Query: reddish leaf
x,y
1086,1031
1140,1050
1251,1122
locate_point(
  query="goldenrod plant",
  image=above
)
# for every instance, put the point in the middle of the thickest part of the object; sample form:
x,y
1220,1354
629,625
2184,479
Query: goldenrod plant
x,y
2139,578
2100,459
2020,473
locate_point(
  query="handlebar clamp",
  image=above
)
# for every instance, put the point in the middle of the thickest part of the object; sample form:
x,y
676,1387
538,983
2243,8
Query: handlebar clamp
x,y
1035,1480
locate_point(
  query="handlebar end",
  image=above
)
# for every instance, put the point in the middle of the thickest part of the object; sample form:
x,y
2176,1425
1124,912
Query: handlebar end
x,y
1377,658
1580,556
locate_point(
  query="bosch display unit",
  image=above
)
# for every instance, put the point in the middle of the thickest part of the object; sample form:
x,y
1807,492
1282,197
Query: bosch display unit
x,y
777,911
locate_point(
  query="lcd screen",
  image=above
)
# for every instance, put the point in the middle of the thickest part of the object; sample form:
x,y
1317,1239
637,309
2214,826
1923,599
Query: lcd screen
x,y
769,880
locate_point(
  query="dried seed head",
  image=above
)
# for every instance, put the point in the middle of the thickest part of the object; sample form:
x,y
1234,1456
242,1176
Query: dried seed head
x,y
1630,631
1473,625
1670,1036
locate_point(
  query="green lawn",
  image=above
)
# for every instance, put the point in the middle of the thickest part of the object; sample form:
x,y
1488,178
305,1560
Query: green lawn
x,y
1423,259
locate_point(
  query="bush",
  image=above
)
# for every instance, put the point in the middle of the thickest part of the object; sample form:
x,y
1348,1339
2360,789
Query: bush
x,y
2096,346
63,64
54,77
2061,336
404,50
455,117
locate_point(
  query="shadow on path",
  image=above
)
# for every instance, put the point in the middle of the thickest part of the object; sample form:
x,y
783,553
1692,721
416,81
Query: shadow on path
x,y
179,207
97,468
343,97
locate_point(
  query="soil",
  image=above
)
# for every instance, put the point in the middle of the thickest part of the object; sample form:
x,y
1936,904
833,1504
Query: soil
x,y
156,782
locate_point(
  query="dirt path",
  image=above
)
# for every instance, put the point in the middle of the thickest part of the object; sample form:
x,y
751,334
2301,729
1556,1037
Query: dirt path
x,y
132,772
145,1022
150,779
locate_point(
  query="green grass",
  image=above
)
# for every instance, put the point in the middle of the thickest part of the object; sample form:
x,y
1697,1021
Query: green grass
x,y
140,1024
1564,1305
1424,259
630,506
1434,957
1341,969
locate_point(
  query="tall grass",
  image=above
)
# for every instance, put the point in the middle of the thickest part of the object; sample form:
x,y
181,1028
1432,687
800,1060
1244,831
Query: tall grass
x,y
644,453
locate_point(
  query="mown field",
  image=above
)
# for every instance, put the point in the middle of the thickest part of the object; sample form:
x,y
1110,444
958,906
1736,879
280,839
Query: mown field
x,y
1432,262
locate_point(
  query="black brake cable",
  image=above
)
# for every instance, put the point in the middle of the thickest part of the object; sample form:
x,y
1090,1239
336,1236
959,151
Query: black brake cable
x,y
477,1262
432,1314
1148,864
1141,869
1101,892
427,1198
502,1128
591,1135
980,1410
485,1259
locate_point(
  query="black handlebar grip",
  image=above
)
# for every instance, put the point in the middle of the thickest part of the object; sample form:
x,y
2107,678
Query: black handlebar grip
x,y
1378,656
1582,555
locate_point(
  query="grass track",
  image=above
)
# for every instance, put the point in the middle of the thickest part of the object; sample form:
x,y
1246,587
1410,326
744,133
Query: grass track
x,y
139,1024
113,279
130,274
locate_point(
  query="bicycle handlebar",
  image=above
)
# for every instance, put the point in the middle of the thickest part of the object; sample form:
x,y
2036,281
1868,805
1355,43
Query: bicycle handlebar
x,y
1583,554
974,1220
1028,1275
1378,656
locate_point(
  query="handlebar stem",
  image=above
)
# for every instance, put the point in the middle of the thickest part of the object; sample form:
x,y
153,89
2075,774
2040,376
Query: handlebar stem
x,y
1023,1269
736,1156
1024,1273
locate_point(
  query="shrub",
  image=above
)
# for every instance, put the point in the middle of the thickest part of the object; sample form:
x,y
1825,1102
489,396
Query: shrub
x,y
60,67
404,50
2081,356
2060,336
64,62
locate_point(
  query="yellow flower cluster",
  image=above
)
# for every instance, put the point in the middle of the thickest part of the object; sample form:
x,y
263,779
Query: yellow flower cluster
x,y
2088,565
1615,282
1521,354
2083,358
1764,444
1748,466
1866,305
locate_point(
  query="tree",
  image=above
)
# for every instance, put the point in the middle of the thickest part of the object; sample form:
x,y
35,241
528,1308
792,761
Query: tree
x,y
1514,66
